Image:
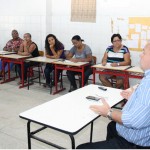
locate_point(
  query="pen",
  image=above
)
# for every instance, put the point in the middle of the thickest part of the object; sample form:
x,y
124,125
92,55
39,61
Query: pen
x,y
129,67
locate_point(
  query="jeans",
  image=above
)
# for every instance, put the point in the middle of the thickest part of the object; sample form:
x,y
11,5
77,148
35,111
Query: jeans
x,y
26,66
48,70
6,66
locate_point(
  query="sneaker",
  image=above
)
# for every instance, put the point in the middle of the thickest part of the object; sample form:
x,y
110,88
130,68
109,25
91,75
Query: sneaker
x,y
46,85
53,83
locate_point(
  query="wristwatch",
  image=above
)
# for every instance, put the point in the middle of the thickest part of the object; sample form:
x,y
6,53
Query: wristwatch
x,y
109,114
118,64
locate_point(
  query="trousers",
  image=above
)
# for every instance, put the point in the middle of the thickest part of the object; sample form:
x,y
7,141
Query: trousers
x,y
113,141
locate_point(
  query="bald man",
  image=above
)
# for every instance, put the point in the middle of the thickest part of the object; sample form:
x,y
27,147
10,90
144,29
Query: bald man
x,y
14,43
130,128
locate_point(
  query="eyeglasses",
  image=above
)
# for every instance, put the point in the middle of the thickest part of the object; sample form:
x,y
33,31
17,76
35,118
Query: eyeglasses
x,y
116,41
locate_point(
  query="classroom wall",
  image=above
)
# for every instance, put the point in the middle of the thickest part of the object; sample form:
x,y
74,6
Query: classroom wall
x,y
41,17
96,35
25,16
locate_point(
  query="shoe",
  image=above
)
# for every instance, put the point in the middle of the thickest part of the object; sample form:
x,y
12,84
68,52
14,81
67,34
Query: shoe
x,y
53,83
46,85
72,89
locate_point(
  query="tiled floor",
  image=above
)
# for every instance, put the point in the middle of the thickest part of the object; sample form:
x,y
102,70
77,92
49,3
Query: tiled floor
x,y
13,134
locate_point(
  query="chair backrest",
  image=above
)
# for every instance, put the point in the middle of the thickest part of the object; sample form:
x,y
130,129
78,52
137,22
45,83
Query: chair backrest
x,y
41,53
94,59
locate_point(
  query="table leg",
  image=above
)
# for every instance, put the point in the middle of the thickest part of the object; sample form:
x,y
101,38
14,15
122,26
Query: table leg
x,y
28,132
9,70
22,74
56,78
93,75
3,70
39,73
126,82
56,82
83,76
91,134
72,141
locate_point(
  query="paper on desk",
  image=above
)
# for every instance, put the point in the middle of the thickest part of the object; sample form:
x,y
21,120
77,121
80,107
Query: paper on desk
x,y
68,61
108,65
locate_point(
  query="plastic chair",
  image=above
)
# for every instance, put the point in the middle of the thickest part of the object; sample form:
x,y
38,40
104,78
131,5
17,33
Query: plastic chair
x,y
32,70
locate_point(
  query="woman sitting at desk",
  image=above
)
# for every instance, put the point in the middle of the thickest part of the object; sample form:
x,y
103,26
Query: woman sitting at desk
x,y
54,50
82,53
27,48
117,55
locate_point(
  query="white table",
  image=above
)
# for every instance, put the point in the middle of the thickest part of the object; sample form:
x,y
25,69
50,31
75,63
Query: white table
x,y
69,113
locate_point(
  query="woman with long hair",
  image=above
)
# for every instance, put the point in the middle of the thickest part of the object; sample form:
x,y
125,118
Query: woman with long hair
x,y
54,50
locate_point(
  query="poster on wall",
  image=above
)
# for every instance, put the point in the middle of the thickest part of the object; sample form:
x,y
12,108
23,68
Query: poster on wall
x,y
83,11
134,30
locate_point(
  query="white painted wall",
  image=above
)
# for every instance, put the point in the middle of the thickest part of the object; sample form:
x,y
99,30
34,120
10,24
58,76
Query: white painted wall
x,y
96,35
24,16
41,17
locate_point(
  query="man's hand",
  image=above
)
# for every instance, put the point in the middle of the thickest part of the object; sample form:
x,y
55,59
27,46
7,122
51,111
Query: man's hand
x,y
102,110
127,93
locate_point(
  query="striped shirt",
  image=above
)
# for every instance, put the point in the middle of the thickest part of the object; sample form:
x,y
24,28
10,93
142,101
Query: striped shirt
x,y
116,56
136,115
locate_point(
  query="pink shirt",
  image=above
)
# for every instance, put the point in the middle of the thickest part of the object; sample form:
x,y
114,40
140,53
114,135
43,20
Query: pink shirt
x,y
14,43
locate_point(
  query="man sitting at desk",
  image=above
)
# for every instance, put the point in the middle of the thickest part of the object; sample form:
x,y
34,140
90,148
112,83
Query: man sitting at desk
x,y
11,45
82,53
117,55
130,128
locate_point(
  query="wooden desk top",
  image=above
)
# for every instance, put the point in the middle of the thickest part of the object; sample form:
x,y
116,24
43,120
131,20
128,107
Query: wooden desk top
x,y
100,66
69,63
135,69
42,59
6,53
15,56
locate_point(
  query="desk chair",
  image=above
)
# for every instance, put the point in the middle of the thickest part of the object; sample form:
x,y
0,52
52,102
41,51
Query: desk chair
x,y
40,69
35,68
